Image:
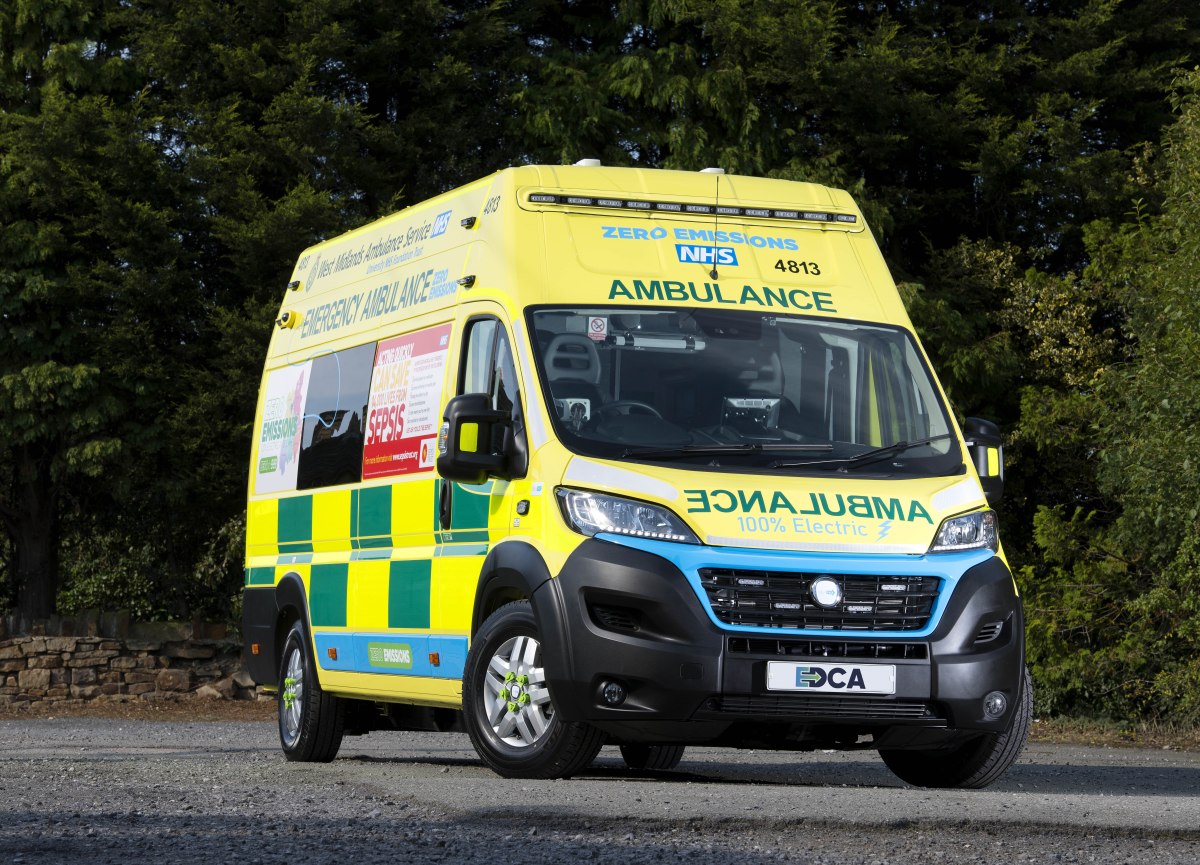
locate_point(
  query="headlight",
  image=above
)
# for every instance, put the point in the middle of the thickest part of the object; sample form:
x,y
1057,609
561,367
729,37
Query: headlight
x,y
591,513
969,532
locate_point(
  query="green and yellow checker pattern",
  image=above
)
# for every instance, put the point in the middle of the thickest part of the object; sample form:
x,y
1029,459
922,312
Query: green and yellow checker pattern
x,y
374,558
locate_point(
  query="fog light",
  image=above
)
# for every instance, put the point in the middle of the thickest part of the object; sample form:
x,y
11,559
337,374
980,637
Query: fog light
x,y
995,705
612,693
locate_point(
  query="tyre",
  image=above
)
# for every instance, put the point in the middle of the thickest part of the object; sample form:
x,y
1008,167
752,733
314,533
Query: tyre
x,y
508,708
973,765
653,758
311,722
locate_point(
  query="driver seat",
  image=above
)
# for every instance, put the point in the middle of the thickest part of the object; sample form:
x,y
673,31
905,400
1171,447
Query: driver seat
x,y
573,370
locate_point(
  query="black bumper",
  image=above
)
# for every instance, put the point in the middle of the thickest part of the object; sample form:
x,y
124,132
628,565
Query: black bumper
x,y
620,614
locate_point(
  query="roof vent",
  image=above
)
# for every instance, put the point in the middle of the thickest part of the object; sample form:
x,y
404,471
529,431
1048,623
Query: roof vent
x,y
588,163
712,170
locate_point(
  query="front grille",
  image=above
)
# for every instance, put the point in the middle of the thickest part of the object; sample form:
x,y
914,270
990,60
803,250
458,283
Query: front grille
x,y
828,648
783,599
793,706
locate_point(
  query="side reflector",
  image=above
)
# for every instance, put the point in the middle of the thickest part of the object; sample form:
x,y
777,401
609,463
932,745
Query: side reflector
x,y
435,659
332,652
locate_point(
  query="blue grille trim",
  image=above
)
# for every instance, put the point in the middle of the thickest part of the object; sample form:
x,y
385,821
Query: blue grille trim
x,y
690,558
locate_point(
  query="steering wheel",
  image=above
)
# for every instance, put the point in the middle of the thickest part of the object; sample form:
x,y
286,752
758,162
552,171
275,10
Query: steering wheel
x,y
628,407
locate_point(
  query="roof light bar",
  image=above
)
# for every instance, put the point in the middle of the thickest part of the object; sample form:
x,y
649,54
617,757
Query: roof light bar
x,y
692,208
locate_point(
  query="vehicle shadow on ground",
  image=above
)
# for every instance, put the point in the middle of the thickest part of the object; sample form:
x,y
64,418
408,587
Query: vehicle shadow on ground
x,y
866,771
1023,778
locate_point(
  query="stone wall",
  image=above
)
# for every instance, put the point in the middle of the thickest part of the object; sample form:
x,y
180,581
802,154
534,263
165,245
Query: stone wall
x,y
155,661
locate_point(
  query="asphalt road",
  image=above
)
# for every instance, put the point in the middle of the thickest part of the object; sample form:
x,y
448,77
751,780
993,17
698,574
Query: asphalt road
x,y
112,791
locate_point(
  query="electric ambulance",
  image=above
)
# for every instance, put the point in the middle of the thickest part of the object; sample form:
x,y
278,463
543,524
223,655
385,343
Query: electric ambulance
x,y
582,455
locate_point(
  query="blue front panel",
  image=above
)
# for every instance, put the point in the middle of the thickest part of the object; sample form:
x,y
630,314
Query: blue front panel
x,y
691,558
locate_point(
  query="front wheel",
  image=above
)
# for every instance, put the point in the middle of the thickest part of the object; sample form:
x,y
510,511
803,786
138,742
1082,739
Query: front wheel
x,y
508,708
311,722
975,764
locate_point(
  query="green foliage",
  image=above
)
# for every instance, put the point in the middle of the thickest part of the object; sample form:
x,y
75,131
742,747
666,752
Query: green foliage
x,y
1112,605
106,572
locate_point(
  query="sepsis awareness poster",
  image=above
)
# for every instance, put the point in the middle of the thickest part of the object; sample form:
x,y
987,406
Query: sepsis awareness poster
x,y
406,393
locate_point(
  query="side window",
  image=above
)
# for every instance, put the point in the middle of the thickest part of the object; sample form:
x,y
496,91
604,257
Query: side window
x,y
504,391
488,366
477,368
331,447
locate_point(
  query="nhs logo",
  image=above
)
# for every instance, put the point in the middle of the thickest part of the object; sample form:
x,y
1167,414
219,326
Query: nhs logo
x,y
695,254
441,223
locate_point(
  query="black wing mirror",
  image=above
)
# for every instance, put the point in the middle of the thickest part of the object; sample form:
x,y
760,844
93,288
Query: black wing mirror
x,y
474,441
987,452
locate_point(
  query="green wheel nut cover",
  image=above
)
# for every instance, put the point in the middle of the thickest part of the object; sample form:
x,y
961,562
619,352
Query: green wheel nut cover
x,y
289,692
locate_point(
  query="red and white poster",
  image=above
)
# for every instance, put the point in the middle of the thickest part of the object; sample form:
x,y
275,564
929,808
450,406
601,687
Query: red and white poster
x,y
406,393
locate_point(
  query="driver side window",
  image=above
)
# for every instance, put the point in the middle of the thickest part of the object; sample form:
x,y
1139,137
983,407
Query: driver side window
x,y
489,367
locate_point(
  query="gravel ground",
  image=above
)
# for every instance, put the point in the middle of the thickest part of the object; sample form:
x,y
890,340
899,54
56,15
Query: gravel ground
x,y
131,789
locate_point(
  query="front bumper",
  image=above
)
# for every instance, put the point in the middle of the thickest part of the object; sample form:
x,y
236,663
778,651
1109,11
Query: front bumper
x,y
620,613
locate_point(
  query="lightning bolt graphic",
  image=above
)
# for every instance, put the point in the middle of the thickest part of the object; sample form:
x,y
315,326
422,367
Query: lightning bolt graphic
x,y
884,528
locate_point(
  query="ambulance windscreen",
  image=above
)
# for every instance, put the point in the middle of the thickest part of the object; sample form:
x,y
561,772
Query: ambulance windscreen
x,y
749,386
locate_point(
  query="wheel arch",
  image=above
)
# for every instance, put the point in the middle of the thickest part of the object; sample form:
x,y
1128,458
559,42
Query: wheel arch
x,y
291,605
515,571
512,571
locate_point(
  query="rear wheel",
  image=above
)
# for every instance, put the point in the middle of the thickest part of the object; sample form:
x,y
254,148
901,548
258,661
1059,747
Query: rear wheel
x,y
654,758
975,764
311,722
508,708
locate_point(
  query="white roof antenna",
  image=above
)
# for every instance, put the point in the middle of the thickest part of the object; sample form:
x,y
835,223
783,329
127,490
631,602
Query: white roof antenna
x,y
588,163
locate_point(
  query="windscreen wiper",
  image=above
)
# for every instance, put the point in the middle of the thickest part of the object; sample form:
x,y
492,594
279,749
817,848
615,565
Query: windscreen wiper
x,y
720,450
874,456
866,457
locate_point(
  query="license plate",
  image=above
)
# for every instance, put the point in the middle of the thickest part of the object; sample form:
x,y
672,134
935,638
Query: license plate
x,y
831,678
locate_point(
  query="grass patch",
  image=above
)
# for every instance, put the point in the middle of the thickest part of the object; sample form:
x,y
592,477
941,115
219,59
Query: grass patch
x,y
1115,734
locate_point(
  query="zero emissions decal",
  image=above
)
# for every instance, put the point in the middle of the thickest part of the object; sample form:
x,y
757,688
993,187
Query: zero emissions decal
x,y
703,235
396,656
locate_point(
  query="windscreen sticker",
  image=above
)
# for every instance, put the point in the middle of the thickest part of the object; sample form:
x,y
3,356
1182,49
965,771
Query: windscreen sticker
x,y
406,393
282,429
598,327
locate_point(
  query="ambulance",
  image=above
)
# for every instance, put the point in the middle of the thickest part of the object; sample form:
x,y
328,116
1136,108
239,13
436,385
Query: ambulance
x,y
577,456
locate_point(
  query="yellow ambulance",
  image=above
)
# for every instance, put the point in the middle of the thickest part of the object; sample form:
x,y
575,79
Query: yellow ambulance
x,y
582,455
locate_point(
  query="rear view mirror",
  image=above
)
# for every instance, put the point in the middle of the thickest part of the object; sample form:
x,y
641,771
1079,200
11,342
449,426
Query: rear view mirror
x,y
987,453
